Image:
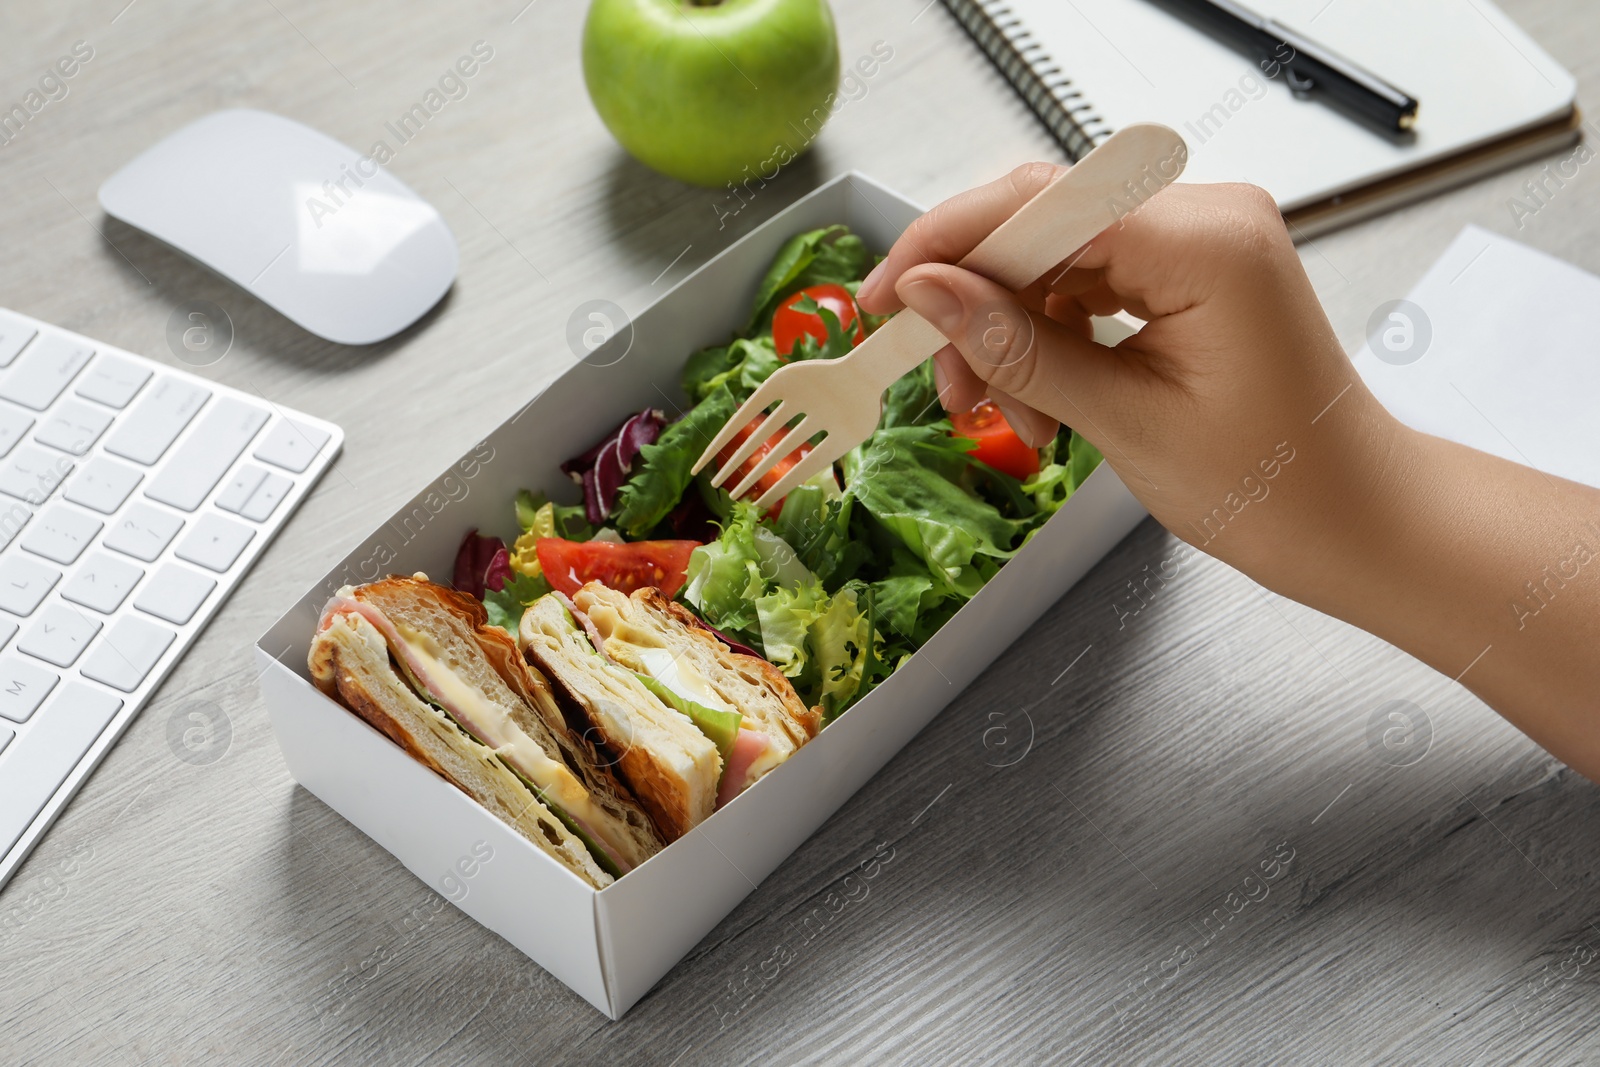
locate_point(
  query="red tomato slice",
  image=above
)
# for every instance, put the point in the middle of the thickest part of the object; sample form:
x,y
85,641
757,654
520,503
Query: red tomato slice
x,y
772,477
790,324
567,565
998,444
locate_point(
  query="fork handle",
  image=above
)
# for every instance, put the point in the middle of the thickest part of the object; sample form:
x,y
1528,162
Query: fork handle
x,y
1108,184
1131,166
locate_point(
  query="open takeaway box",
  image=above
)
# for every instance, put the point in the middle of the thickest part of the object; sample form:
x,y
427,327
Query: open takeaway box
x,y
612,945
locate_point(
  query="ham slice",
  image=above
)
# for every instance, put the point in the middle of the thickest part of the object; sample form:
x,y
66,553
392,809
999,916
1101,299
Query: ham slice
x,y
748,746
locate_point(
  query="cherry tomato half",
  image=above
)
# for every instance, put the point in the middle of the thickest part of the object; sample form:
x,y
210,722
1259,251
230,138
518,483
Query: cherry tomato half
x,y
772,477
567,565
998,444
789,324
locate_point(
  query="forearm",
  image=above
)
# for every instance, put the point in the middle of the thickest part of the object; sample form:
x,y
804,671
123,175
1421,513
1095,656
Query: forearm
x,y
1484,569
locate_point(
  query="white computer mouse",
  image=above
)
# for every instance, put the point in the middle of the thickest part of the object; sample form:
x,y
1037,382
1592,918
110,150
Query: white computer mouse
x,y
316,230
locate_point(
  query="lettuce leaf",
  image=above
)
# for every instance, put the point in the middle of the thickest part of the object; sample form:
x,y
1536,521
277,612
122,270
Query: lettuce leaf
x,y
527,506
820,642
785,617
701,373
815,520
913,400
840,638
725,577
1056,482
506,604
543,518
897,602
832,254
908,478
722,727
741,365
746,561
662,471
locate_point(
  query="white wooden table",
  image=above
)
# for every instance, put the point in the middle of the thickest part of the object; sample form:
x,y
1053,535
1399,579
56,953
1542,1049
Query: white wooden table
x,y
1198,858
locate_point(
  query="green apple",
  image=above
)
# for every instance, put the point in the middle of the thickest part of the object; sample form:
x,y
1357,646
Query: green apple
x,y
701,90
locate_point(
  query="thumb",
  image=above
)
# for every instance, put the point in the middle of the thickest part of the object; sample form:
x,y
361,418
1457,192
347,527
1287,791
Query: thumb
x,y
1023,358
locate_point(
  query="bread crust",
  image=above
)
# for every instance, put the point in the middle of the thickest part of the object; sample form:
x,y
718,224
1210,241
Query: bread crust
x,y
488,657
349,662
671,767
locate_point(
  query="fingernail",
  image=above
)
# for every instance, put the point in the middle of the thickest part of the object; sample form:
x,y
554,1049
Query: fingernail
x,y
935,302
873,279
1019,425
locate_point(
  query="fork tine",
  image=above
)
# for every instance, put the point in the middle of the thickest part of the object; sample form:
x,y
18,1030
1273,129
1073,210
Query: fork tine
x,y
791,441
817,459
748,446
747,412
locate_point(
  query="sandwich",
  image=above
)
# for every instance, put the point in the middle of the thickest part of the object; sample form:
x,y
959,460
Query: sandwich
x,y
671,765
692,723
654,637
419,663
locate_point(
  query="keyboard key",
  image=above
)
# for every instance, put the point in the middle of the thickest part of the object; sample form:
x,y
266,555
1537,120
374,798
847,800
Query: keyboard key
x,y
127,652
23,583
103,484
23,687
74,427
8,630
142,532
13,424
45,369
236,494
175,593
32,474
59,635
41,760
215,542
292,445
6,734
157,420
190,473
13,517
61,534
102,583
15,333
113,381
266,499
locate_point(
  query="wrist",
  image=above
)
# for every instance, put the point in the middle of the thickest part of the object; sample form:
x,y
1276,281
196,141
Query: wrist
x,y
1336,511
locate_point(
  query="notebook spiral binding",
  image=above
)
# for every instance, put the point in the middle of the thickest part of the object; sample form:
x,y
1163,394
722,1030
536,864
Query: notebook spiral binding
x,y
1072,120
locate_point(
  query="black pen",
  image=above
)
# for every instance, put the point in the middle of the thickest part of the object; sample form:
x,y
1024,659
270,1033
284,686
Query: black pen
x,y
1307,66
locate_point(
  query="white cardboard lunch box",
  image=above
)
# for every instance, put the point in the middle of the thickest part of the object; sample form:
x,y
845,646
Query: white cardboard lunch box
x,y
611,946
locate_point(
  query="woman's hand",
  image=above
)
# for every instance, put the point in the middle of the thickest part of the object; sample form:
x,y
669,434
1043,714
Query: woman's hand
x,y
1235,417
1221,401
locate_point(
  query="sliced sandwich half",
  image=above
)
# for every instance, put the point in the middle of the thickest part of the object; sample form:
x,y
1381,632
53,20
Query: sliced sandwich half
x,y
672,767
764,719
418,662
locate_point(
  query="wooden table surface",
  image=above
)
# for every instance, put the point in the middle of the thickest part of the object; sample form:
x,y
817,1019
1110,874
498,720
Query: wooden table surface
x,y
1157,837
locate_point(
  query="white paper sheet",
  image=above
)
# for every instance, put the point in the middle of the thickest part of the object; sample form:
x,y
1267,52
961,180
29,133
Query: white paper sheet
x,y
1500,351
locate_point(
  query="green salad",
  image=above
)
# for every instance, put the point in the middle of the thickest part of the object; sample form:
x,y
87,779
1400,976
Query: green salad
x,y
854,570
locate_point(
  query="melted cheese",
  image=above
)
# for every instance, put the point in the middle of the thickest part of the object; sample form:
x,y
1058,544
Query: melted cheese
x,y
644,648
765,762
493,725
680,676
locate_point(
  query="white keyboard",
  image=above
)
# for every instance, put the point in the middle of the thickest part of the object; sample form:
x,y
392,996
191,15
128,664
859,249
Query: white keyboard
x,y
133,498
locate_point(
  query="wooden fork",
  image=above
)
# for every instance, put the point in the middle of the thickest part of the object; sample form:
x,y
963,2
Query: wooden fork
x,y
842,398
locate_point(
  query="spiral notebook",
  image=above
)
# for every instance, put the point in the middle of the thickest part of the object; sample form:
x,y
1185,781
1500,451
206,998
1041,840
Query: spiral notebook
x,y
1490,96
